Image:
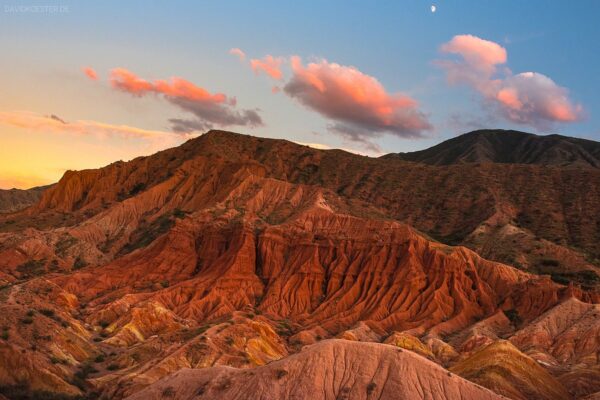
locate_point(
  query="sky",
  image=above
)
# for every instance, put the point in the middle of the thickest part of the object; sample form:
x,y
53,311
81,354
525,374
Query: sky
x,y
84,84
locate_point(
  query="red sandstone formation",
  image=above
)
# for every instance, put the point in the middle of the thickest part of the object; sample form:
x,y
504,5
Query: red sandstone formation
x,y
238,251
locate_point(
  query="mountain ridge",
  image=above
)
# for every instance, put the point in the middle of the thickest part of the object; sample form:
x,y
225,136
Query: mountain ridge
x,y
482,197
12,200
231,252
508,147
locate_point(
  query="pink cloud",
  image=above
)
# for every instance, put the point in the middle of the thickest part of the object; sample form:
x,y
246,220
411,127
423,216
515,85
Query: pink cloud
x,y
239,53
90,73
209,109
478,53
127,81
269,65
510,98
531,97
56,125
528,98
358,103
181,88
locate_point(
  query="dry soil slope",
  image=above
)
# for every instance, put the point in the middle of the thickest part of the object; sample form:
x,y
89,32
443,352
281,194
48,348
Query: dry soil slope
x,y
331,369
16,199
502,368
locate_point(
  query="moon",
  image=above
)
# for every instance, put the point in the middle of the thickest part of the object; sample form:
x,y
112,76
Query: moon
x,y
433,8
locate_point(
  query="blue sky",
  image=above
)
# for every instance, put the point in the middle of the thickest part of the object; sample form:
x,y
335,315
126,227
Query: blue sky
x,y
394,42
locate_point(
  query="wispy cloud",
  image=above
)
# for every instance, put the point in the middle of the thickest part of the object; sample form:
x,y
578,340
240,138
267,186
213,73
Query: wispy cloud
x,y
90,73
209,109
528,98
107,141
238,53
57,118
55,125
479,54
269,65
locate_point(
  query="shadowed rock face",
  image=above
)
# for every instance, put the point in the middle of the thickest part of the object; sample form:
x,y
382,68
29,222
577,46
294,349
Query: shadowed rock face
x,y
509,147
331,369
238,251
12,200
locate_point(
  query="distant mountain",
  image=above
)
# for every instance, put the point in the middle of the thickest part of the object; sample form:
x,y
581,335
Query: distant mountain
x,y
508,147
16,199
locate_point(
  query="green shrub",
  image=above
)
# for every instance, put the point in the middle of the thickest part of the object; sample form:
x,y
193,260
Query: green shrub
x,y
281,373
79,378
550,262
32,268
179,214
513,316
56,360
371,387
24,392
168,392
47,312
64,244
586,278
79,263
146,233
188,334
137,188
54,265
563,279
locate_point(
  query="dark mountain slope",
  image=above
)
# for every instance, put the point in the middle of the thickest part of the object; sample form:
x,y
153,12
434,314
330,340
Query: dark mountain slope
x,y
16,199
508,147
